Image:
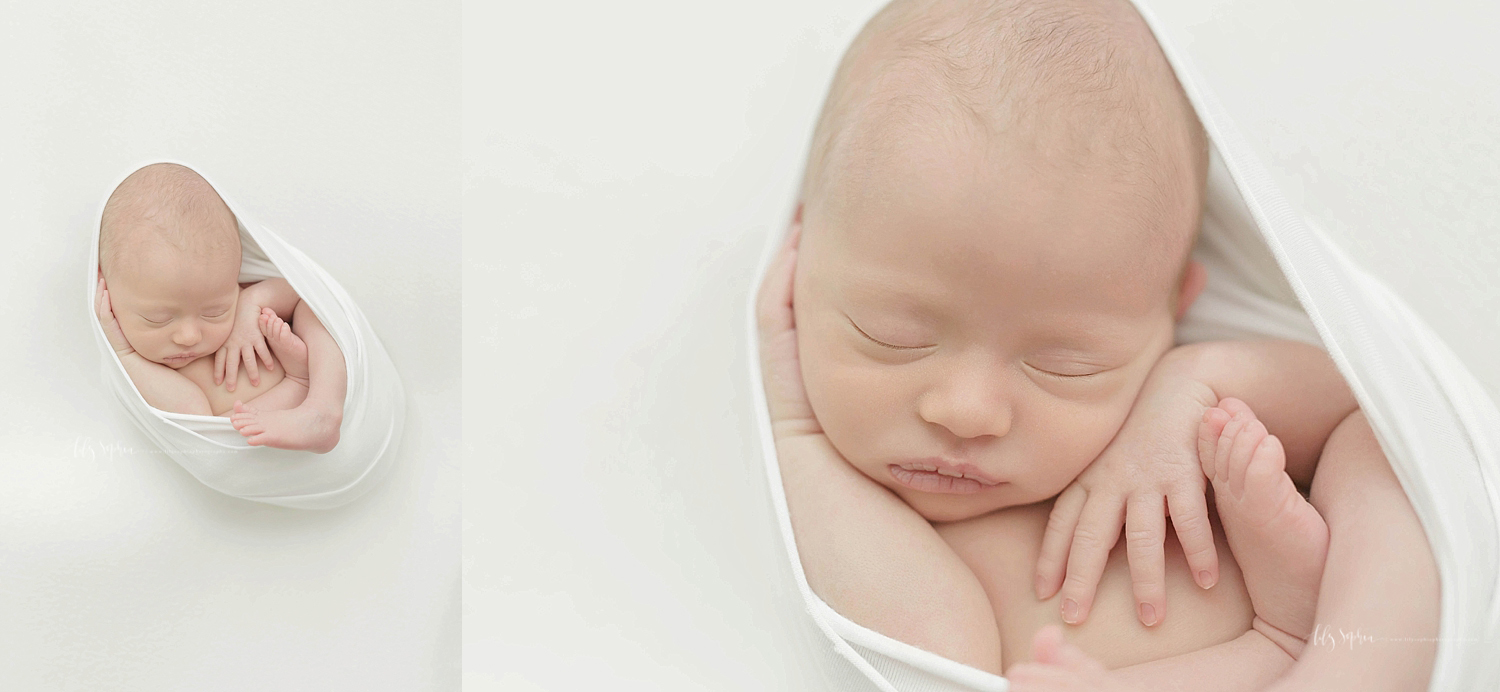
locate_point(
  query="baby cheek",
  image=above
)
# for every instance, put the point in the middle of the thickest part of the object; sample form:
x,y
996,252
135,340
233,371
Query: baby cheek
x,y
137,336
219,335
850,402
1079,435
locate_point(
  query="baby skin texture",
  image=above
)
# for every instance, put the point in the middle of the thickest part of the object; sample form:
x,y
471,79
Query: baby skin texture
x,y
969,361
168,299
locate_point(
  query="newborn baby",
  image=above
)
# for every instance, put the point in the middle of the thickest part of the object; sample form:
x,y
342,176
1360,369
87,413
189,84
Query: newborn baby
x,y
171,306
971,331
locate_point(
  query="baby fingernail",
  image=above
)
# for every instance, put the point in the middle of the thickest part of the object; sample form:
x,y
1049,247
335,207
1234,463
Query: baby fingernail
x,y
1148,614
1070,611
1205,579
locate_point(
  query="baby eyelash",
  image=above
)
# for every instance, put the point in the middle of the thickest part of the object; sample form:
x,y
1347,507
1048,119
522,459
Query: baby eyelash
x,y
882,343
1061,376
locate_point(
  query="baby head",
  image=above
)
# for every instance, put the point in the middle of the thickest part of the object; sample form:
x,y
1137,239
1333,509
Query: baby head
x,y
169,252
997,214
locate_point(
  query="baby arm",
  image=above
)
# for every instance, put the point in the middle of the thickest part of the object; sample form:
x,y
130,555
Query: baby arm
x,y
161,386
275,293
245,339
864,551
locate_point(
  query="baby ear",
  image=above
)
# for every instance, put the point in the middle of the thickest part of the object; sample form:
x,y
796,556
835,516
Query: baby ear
x,y
1194,278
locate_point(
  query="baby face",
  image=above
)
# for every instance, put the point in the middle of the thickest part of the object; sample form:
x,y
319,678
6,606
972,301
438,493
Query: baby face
x,y
974,324
173,306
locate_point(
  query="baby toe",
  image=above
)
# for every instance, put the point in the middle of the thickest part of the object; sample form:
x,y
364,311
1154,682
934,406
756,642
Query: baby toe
x,y
1236,407
1245,444
1209,431
1214,420
1225,446
1267,463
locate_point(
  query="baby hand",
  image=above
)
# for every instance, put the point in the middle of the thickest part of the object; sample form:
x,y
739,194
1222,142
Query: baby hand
x,y
791,414
106,314
1152,461
245,340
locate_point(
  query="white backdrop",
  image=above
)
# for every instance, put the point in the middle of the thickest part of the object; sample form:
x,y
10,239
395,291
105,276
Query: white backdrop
x,y
336,125
624,162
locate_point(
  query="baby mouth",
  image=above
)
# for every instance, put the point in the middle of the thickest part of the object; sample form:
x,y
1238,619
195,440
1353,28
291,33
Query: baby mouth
x,y
933,477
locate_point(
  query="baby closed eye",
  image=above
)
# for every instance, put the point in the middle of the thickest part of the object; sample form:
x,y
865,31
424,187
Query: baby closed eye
x,y
165,320
878,342
1069,371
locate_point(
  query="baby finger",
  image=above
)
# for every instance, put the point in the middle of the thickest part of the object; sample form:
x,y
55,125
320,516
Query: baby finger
x,y
251,369
265,354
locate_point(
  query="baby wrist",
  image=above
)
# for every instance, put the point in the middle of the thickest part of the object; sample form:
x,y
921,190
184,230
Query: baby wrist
x,y
1185,370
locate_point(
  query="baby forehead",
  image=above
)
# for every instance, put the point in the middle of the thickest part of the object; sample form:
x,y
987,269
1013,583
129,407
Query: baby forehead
x,y
1014,259
975,196
971,247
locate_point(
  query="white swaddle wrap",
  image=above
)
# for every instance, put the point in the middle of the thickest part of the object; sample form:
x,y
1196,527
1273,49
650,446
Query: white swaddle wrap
x,y
216,454
1273,275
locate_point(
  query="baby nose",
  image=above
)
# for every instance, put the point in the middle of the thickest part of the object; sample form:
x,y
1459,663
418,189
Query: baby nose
x,y
187,335
970,405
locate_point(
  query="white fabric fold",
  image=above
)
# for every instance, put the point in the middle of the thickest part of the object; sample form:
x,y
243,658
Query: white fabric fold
x,y
216,454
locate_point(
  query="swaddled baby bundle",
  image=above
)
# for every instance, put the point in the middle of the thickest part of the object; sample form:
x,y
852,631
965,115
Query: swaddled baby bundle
x,y
216,454
1272,275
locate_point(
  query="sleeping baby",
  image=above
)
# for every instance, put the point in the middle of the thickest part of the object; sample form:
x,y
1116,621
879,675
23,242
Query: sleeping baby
x,y
185,330
973,383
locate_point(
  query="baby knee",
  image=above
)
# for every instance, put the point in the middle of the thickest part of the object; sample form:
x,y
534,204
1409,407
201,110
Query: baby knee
x,y
1352,463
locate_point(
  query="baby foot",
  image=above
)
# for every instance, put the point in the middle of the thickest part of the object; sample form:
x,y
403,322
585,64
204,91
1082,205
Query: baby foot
x,y
288,348
303,428
1278,538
